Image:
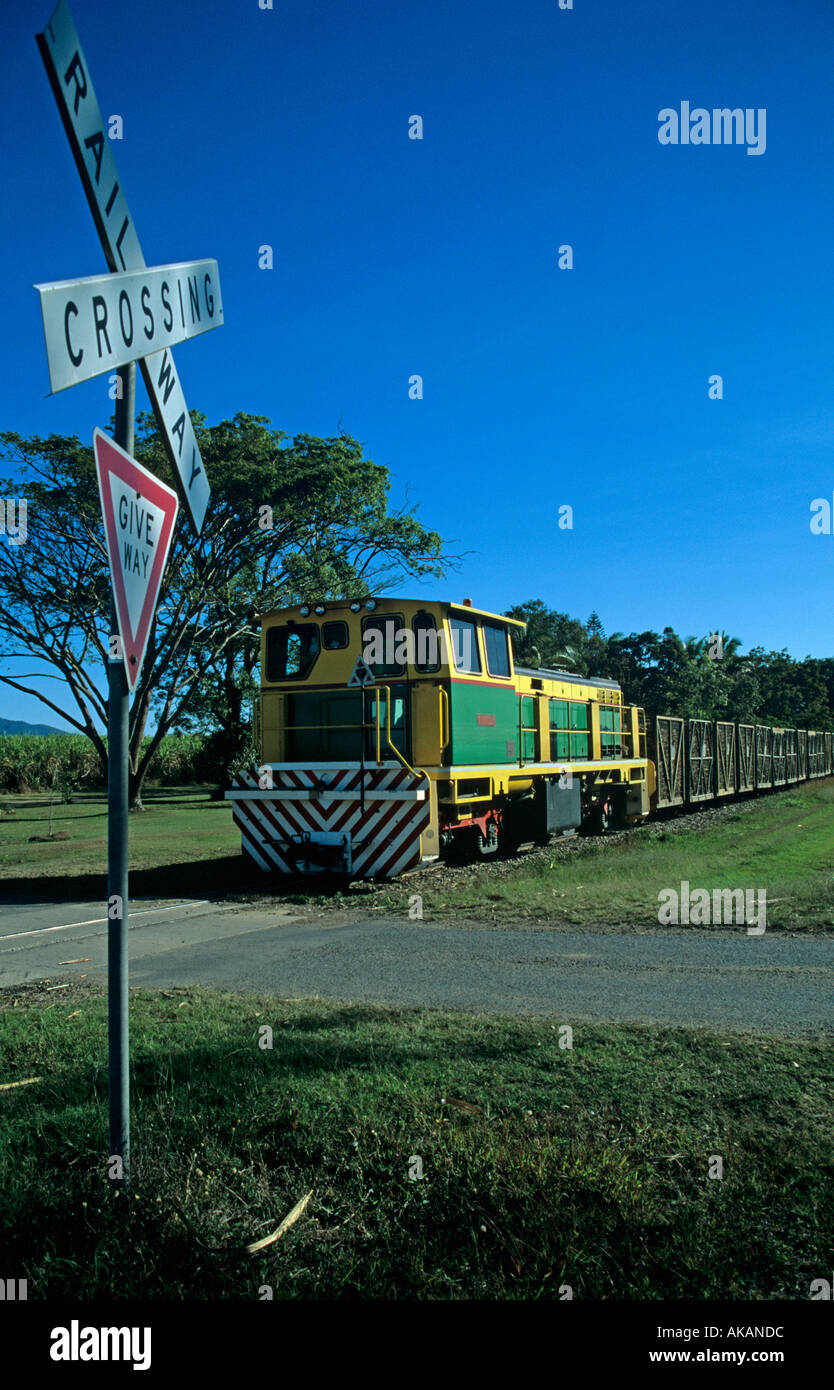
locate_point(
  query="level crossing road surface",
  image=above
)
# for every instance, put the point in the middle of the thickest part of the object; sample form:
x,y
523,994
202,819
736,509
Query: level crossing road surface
x,y
720,979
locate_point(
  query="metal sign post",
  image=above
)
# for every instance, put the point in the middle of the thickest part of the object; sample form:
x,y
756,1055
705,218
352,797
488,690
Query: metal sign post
x,y
118,750
132,605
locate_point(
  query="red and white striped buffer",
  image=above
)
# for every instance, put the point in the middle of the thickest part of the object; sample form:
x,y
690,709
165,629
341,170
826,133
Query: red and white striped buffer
x,y
366,822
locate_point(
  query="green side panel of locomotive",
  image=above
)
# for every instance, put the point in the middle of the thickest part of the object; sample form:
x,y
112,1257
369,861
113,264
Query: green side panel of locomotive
x,y
483,723
569,730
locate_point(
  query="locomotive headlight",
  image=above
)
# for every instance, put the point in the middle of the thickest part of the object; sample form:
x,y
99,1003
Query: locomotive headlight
x,y
370,604
356,606
319,609
304,610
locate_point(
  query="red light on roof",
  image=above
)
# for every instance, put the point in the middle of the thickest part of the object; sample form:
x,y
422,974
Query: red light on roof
x,y
467,603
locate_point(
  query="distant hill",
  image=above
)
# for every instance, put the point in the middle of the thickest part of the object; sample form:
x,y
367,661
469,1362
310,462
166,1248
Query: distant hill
x,y
18,726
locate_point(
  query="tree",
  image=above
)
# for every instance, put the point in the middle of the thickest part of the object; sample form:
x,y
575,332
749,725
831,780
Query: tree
x,y
597,646
306,518
552,639
667,674
792,693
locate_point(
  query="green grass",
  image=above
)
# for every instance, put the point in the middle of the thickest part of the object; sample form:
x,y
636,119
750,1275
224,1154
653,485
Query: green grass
x,y
783,843
586,1167
183,842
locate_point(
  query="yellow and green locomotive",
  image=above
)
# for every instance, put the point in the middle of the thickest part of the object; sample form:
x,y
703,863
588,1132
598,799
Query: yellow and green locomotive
x,y
392,729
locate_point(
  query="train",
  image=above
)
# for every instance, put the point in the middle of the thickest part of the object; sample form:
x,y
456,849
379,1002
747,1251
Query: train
x,y
391,732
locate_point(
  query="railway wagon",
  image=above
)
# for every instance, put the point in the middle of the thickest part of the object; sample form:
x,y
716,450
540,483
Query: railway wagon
x,y
819,754
726,759
667,744
791,755
779,770
390,730
746,747
764,757
748,758
700,760
802,755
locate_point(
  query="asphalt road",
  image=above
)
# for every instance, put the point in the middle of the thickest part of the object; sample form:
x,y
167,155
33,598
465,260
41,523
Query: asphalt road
x,y
725,980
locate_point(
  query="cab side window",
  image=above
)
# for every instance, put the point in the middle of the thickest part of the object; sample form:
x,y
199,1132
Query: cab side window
x,y
497,650
465,646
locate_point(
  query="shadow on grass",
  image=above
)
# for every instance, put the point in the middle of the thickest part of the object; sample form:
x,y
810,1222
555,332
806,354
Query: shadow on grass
x,y
236,1085
200,879
59,813
231,876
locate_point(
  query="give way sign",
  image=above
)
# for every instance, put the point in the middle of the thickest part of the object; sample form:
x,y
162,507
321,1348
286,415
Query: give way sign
x,y
139,514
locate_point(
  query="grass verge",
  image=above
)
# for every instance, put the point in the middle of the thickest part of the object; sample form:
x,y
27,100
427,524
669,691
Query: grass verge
x,y
783,843
543,1165
185,844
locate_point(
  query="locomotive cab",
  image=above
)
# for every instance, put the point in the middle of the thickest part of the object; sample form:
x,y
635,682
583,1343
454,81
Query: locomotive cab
x,y
390,728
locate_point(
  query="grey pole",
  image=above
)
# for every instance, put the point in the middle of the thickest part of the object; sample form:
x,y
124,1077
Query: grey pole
x,y
117,807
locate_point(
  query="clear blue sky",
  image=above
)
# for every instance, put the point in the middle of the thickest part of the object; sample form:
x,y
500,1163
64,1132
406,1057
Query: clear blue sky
x,y
394,256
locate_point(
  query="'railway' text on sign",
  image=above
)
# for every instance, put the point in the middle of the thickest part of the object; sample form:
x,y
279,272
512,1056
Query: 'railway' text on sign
x,y
72,87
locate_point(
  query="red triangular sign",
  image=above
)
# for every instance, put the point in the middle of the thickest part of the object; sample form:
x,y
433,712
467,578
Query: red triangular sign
x,y
139,514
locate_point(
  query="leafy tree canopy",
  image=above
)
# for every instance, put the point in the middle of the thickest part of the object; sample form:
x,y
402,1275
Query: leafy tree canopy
x,y
699,678
289,519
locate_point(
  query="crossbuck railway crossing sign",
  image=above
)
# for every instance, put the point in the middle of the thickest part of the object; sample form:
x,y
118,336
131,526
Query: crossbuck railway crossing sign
x,y
139,513
91,325
72,87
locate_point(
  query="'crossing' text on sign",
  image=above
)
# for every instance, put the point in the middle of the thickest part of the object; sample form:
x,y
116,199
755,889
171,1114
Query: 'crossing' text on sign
x,y
97,324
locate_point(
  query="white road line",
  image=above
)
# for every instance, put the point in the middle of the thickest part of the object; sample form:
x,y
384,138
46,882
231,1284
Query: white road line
x,y
96,921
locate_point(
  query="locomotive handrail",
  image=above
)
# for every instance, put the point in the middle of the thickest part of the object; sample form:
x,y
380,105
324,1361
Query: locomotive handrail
x,y
256,719
394,749
443,703
375,724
